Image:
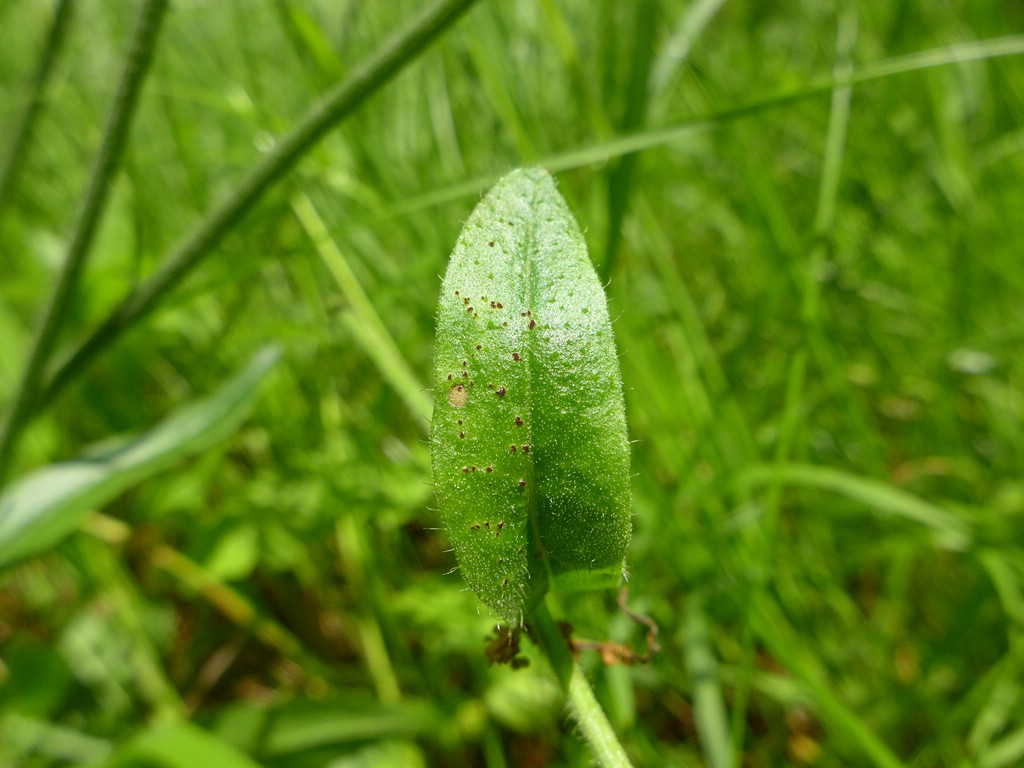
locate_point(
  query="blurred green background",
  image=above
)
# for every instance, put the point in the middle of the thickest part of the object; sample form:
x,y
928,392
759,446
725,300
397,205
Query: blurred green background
x,y
213,552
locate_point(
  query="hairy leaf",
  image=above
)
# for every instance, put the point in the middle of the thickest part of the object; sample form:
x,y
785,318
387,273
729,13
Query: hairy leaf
x,y
528,440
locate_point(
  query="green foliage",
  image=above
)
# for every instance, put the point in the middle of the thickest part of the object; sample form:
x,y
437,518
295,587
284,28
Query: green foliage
x,y
37,511
808,228
528,440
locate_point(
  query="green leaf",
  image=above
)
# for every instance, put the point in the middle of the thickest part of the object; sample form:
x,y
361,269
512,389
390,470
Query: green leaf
x,y
179,745
528,439
42,508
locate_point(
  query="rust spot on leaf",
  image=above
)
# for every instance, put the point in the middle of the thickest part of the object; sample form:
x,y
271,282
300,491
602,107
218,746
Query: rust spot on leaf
x,y
458,396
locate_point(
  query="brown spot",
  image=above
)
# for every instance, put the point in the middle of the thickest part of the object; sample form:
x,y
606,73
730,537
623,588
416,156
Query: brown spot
x,y
515,356
473,468
478,347
501,525
465,469
458,396
512,448
494,305
456,293
460,422
519,421
488,470
501,391
504,582
465,363
449,377
526,449
491,244
522,483
500,305
469,309
475,527
533,324
462,435
465,374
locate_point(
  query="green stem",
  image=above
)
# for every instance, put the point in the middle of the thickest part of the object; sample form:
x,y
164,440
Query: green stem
x,y
338,104
585,709
16,151
139,56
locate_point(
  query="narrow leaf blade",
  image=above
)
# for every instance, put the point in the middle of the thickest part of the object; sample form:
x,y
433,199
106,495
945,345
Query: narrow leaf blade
x,y
42,508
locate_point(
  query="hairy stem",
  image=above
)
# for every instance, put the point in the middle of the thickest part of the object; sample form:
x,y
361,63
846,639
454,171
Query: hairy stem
x,y
585,709
16,151
336,105
139,56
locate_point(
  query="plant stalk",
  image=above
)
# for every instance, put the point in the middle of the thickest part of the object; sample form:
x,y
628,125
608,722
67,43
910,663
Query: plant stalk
x,y
338,104
40,80
108,158
583,705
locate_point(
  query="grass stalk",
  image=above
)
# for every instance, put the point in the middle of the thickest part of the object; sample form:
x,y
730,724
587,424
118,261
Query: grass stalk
x,y
640,141
137,61
337,104
40,80
191,577
367,327
586,711
791,422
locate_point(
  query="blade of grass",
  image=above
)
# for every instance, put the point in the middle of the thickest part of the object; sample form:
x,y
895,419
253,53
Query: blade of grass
x,y
493,73
1006,583
602,152
179,745
392,56
1000,707
40,80
304,725
356,558
140,53
621,174
993,48
1007,751
828,191
40,509
955,534
677,50
821,347
193,578
708,703
126,618
366,326
23,738
708,389
560,29
782,641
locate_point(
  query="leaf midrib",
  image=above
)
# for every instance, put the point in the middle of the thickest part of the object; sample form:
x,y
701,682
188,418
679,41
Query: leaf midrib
x,y
536,550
